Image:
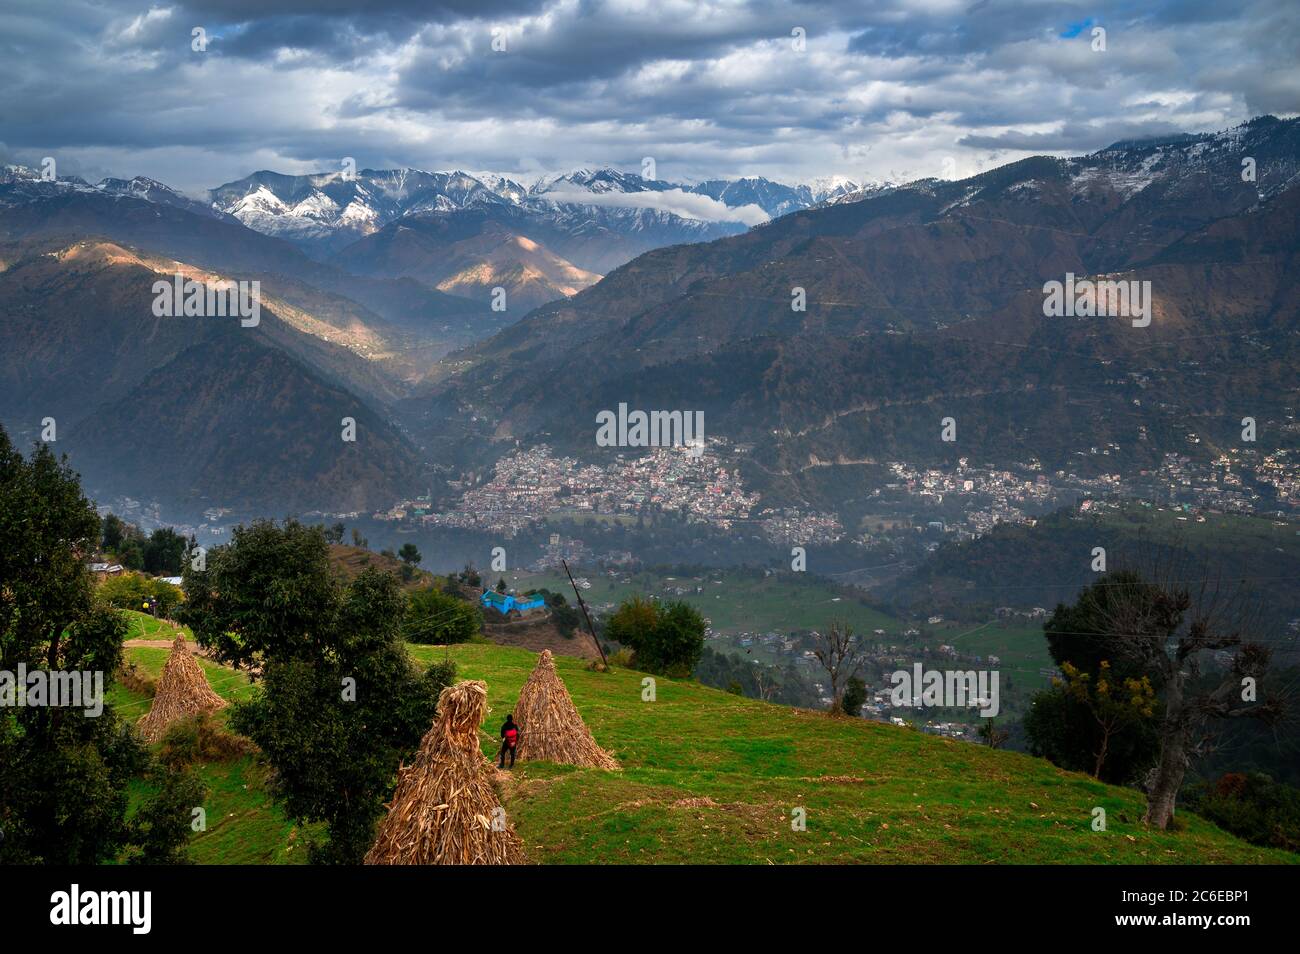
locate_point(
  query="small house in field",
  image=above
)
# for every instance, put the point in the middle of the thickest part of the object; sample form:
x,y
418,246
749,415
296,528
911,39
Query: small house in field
x,y
504,603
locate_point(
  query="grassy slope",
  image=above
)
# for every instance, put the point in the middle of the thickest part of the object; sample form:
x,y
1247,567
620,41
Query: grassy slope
x,y
873,793
740,604
243,826
347,562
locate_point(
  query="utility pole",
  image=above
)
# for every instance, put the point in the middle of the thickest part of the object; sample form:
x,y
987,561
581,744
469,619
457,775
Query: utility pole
x,y
591,629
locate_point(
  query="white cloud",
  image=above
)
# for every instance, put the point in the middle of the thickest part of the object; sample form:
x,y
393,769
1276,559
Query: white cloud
x,y
686,204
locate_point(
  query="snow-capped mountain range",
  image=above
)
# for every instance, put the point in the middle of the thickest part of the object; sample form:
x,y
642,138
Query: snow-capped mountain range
x,y
20,184
596,218
589,220
334,208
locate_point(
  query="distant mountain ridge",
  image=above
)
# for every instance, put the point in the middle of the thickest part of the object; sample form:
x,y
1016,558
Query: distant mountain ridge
x,y
21,183
191,411
331,209
925,300
547,240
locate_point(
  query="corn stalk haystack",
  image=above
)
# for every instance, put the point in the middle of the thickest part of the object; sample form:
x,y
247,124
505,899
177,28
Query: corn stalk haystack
x,y
550,728
183,690
445,810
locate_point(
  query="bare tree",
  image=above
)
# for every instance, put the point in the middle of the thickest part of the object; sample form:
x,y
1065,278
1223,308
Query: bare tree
x,y
992,735
1169,628
841,656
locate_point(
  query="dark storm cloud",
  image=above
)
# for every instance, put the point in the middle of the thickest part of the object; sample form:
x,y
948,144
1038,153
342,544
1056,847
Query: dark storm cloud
x,y
708,87
1080,139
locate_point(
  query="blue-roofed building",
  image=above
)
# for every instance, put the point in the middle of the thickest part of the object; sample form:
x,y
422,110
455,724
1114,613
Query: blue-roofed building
x,y
503,603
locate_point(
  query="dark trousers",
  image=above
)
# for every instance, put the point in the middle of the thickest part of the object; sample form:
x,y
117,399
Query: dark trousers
x,y
504,749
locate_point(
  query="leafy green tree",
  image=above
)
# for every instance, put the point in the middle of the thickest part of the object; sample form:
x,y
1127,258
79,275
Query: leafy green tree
x,y
409,554
1059,724
1081,633
433,616
341,704
855,694
664,639
113,532
678,640
164,552
131,555
63,773
1113,705
633,622
162,827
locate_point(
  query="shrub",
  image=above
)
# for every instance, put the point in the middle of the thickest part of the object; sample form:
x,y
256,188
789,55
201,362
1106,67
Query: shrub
x,y
434,617
621,658
201,738
1253,807
137,680
854,696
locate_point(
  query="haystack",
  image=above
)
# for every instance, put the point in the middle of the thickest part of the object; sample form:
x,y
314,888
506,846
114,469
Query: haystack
x,y
550,728
183,690
444,806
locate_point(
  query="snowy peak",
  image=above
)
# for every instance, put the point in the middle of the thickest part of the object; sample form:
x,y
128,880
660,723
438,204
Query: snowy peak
x,y
830,188
599,182
332,209
25,184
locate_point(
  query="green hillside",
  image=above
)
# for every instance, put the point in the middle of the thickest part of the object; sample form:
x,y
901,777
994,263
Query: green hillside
x,y
733,601
710,777
1049,561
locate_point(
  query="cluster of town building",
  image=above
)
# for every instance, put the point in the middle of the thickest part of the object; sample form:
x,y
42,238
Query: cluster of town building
x,y
527,486
973,500
148,516
986,497
799,527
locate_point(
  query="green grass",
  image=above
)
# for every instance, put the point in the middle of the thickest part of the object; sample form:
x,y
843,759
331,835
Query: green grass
x,y
1020,646
740,603
227,683
144,626
872,793
243,825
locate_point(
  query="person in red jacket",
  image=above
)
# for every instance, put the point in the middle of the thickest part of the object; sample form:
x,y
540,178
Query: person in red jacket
x,y
509,741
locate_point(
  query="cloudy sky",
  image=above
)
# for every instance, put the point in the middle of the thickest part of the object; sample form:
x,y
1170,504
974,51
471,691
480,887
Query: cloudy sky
x,y
788,89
